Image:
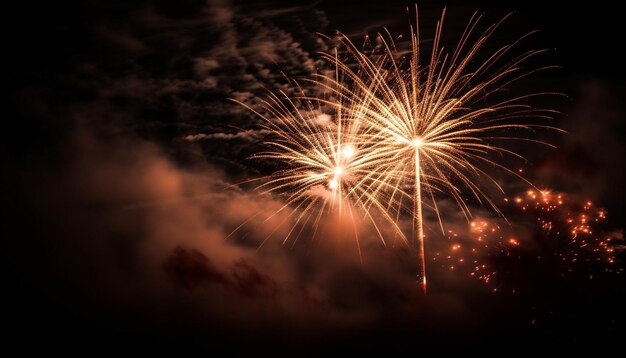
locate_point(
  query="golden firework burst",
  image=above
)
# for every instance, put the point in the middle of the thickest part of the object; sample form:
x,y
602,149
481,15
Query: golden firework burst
x,y
402,130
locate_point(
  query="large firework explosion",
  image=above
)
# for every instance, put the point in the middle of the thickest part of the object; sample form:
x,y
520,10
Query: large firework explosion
x,y
391,133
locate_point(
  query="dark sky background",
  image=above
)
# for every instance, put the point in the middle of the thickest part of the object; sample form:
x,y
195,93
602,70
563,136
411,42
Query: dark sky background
x,y
120,140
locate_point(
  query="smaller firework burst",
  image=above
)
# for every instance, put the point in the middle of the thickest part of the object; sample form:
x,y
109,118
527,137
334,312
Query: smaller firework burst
x,y
575,228
555,227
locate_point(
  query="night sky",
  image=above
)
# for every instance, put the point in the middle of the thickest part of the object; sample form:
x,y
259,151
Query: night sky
x,y
121,148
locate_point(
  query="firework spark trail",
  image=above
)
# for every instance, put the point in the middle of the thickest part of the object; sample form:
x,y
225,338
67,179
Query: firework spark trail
x,y
399,129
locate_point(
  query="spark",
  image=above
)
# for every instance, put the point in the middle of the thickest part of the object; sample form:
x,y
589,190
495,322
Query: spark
x,y
575,228
485,248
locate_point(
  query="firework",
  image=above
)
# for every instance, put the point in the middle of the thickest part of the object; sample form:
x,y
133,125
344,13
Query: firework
x,y
574,228
392,133
325,165
564,233
436,124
